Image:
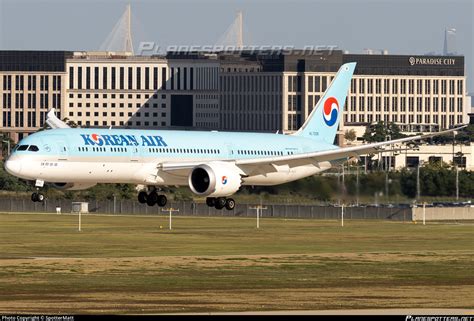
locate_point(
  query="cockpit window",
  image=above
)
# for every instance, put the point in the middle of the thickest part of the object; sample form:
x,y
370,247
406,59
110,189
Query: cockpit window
x,y
22,147
33,148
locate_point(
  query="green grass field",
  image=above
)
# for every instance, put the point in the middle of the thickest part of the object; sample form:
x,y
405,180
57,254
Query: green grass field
x,y
127,264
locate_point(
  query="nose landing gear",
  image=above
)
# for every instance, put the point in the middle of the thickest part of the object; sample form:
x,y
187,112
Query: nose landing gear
x,y
37,197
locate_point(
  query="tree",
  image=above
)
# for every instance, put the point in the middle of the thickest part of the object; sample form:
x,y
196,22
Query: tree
x,y
70,123
394,131
466,135
381,132
408,182
350,135
375,133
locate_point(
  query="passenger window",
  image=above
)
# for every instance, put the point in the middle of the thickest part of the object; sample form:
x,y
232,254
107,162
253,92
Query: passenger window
x,y
33,148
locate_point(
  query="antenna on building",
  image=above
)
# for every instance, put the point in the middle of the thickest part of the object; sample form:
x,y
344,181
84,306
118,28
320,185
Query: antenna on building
x,y
120,38
233,36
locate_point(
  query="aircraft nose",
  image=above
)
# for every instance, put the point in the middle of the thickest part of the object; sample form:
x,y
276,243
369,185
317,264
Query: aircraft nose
x,y
13,167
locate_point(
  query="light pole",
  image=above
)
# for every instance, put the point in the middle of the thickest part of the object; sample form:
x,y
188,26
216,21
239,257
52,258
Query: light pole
x,y
343,180
418,189
455,165
357,185
387,168
389,137
170,210
258,209
8,146
457,183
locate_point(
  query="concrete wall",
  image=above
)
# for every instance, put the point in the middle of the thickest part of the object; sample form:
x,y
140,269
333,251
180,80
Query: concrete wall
x,y
443,213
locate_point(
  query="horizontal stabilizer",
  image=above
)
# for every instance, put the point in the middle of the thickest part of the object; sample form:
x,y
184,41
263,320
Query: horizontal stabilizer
x,y
53,121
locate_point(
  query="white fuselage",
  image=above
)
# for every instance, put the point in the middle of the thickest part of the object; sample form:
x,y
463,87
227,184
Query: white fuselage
x,y
89,156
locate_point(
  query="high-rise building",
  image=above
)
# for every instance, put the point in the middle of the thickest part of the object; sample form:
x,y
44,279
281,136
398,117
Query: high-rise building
x,y
449,48
242,91
31,83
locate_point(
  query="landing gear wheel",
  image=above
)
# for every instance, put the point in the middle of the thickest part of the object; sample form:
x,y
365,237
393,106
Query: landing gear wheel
x,y
152,199
162,200
37,197
230,204
142,196
220,203
211,201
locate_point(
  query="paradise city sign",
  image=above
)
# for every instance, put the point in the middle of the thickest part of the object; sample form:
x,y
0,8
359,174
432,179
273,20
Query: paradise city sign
x,y
431,61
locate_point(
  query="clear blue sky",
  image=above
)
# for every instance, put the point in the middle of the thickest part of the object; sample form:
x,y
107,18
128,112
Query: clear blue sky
x,y
401,27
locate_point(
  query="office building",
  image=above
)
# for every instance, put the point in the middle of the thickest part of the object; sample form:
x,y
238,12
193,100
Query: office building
x,y
243,91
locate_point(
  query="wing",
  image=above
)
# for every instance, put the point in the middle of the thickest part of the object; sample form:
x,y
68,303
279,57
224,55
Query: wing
x,y
263,164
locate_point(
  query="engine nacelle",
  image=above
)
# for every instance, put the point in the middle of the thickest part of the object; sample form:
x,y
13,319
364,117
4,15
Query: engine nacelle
x,y
73,186
215,179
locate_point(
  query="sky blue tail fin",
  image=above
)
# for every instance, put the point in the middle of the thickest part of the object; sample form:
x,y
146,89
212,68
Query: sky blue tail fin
x,y
323,121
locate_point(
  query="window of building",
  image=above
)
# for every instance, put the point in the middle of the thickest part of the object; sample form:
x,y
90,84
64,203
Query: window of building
x,y
412,161
122,78
460,87
96,78
88,77
419,86
386,86
362,85
139,78
104,79
427,86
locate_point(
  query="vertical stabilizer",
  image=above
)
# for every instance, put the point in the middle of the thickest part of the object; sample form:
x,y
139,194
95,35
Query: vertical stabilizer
x,y
323,121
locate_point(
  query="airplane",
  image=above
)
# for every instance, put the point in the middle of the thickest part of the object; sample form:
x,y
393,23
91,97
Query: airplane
x,y
213,164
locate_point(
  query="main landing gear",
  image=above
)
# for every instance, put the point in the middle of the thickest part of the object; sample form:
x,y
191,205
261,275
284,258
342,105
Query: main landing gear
x,y
152,198
37,197
221,202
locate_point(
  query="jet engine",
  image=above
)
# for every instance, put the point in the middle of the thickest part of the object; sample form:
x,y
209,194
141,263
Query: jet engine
x,y
215,179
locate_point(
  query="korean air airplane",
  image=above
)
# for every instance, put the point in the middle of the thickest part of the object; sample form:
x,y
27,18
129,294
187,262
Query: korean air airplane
x,y
213,164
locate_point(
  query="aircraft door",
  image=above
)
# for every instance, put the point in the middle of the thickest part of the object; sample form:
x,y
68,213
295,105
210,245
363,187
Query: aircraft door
x,y
62,150
135,153
230,151
56,145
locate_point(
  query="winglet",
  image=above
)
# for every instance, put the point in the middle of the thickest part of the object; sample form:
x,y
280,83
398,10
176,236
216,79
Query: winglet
x,y
53,121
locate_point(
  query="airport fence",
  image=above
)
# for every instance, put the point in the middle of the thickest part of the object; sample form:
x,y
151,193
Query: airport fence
x,y
186,208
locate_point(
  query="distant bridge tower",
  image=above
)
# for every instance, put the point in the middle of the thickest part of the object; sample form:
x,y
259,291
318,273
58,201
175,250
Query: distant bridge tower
x,y
240,40
233,36
120,38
